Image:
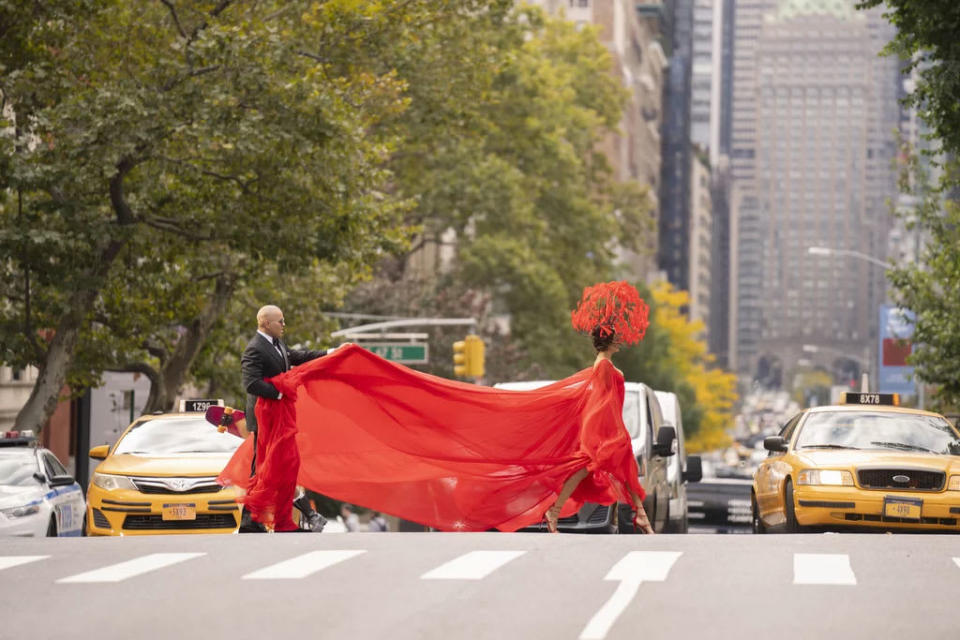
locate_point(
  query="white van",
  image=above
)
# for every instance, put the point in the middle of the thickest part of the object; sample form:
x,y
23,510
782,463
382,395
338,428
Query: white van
x,y
679,468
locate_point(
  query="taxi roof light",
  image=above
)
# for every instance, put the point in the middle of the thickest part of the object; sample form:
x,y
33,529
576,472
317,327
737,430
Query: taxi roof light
x,y
871,399
199,405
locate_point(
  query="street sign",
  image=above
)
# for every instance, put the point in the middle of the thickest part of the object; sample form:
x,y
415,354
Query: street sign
x,y
402,352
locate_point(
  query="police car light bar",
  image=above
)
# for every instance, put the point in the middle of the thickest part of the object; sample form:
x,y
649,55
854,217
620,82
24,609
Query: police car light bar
x,y
877,399
26,433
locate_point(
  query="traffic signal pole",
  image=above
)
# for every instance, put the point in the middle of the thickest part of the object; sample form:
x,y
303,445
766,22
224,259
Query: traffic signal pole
x,y
468,354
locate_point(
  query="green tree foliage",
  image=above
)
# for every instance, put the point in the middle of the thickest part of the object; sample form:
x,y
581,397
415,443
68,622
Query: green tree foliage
x,y
506,170
927,42
928,287
158,136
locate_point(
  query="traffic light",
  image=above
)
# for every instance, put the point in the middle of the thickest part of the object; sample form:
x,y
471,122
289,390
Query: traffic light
x,y
468,357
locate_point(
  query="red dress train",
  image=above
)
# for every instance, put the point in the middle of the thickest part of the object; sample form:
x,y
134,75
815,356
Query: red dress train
x,y
454,456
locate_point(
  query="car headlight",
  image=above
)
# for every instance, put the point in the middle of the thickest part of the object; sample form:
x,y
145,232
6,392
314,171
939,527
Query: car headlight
x,y
111,483
825,477
19,512
954,483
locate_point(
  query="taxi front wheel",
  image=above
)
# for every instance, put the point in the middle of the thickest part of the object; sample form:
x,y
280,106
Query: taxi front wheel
x,y
792,526
755,516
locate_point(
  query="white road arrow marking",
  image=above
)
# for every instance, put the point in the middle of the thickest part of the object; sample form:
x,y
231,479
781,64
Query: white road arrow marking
x,y
632,570
475,565
303,566
822,568
7,562
131,568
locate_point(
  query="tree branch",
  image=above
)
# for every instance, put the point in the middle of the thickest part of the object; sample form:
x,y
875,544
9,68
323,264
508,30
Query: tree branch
x,y
124,214
155,350
170,227
176,18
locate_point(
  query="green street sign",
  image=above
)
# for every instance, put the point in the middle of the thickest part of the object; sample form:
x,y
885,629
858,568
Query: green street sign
x,y
402,352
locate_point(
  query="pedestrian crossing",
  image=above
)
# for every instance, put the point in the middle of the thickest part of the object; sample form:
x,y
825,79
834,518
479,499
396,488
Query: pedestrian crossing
x,y
303,566
632,569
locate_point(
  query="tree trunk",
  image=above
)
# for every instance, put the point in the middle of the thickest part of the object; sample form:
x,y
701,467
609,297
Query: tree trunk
x,y
45,394
176,368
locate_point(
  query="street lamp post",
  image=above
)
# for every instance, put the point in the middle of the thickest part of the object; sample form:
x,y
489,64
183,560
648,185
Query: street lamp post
x,y
827,251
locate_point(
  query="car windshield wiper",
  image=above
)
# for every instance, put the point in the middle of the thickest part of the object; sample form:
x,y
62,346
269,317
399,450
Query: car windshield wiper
x,y
827,446
903,445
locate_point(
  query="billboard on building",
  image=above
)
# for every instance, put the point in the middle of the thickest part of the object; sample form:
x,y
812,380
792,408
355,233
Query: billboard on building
x,y
894,375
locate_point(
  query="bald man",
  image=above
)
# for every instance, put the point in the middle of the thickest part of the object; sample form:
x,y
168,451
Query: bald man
x,y
266,356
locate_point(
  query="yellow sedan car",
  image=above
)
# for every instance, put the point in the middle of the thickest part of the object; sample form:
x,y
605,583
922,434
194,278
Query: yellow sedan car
x,y
161,477
865,464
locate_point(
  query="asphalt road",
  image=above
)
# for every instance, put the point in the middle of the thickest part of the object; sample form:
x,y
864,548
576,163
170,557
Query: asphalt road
x,y
481,585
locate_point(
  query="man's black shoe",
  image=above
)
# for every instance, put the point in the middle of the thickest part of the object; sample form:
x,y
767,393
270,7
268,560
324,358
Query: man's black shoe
x,y
249,525
316,522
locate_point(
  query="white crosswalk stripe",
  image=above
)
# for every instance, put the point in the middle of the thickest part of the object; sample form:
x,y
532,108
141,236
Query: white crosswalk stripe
x,y
303,566
474,565
131,568
957,561
632,570
6,562
822,568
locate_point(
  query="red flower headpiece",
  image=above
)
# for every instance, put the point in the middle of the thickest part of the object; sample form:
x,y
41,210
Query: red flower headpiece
x,y
612,307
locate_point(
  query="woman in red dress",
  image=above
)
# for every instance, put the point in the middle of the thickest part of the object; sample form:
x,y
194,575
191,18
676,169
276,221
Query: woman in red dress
x,y
457,456
614,443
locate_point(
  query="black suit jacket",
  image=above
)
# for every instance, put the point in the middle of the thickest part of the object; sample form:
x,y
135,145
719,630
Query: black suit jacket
x,y
261,360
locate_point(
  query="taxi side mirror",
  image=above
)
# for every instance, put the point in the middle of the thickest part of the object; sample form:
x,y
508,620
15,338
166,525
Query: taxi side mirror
x,y
100,453
775,443
694,472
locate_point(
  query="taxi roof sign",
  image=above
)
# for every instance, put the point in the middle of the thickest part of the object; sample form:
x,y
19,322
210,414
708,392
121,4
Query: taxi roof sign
x,y
873,399
199,405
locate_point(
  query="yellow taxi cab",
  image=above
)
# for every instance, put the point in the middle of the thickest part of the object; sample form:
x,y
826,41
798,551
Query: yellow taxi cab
x,y
864,464
160,476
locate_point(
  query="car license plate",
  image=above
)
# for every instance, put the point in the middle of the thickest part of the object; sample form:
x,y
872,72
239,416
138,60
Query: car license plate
x,y
179,512
906,508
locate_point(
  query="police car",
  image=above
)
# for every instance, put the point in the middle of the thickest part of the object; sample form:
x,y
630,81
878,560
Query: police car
x,y
37,495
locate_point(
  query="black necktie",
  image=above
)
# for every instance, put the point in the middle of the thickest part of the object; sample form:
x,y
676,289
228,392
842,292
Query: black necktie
x,y
276,345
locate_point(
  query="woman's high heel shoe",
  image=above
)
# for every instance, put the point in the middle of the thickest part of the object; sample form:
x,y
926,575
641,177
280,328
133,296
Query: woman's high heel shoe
x,y
552,515
641,524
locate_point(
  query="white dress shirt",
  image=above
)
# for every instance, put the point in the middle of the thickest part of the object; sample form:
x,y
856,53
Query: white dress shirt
x,y
269,339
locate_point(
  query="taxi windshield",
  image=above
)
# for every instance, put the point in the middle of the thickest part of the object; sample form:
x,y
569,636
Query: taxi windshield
x,y
167,436
868,430
17,469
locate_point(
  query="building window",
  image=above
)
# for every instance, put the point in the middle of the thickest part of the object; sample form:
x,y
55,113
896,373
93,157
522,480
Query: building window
x,y
582,4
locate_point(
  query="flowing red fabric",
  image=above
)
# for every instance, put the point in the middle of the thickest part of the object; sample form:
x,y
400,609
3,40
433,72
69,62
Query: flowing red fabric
x,y
454,456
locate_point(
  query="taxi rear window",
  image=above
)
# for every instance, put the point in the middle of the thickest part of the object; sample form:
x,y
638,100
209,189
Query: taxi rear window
x,y
167,436
875,430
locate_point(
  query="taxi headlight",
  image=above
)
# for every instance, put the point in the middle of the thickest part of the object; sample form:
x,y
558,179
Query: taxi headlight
x,y
954,483
825,477
19,512
111,483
